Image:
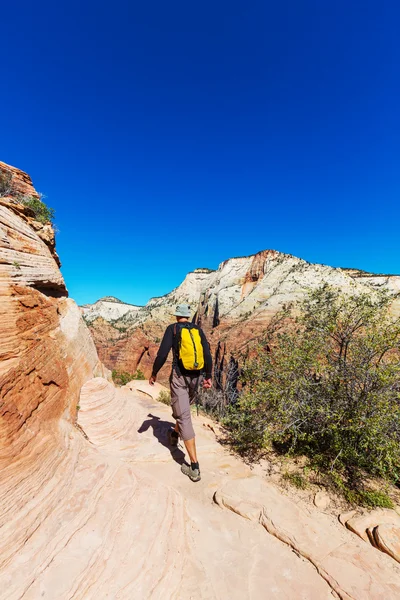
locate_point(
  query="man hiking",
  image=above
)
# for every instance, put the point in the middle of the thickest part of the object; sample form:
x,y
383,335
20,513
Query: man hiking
x,y
191,357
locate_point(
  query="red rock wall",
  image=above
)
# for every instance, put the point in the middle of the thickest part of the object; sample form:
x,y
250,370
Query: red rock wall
x,y
21,182
46,352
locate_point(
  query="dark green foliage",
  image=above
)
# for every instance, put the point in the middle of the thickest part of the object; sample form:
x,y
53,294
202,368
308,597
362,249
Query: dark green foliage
x,y
362,497
43,213
372,499
123,377
296,479
326,385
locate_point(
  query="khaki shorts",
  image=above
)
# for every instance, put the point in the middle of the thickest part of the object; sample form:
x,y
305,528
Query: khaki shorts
x,y
183,393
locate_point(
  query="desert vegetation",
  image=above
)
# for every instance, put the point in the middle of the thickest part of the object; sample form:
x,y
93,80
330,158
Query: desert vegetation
x,y
123,377
323,382
6,183
42,212
165,397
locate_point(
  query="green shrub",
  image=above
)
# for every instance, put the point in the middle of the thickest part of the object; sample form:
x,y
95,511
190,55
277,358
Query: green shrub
x,y
123,377
362,497
296,479
43,213
164,397
326,385
372,499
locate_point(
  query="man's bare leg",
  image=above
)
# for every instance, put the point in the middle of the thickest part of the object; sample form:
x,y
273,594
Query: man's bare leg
x,y
191,450
190,446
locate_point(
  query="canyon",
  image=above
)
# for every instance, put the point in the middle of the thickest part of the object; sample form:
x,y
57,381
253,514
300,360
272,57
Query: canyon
x,y
92,501
232,304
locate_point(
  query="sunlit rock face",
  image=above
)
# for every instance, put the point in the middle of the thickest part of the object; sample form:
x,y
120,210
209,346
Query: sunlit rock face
x,y
233,304
46,352
46,355
21,183
109,309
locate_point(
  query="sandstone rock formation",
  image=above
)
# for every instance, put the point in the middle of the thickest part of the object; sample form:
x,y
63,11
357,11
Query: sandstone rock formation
x,y
92,501
21,183
45,350
233,304
380,527
387,538
103,512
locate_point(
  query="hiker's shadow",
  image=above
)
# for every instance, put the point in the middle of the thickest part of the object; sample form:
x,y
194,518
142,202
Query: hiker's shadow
x,y
160,431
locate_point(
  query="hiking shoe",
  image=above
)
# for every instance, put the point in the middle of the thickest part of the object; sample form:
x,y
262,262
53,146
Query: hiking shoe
x,y
193,474
173,437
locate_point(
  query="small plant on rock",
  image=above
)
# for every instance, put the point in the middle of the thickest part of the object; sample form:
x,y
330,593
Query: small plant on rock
x,y
296,479
165,397
6,183
43,213
123,377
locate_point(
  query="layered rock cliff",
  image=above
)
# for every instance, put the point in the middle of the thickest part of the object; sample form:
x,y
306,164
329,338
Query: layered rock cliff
x,y
46,353
233,304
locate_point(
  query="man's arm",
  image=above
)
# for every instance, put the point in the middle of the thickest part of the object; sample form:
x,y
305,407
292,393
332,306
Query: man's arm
x,y
207,356
162,353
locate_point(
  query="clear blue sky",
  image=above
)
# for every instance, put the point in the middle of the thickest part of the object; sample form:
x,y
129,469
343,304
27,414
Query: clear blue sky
x,y
173,135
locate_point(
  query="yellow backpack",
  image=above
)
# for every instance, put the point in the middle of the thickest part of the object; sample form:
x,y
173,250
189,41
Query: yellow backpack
x,y
189,347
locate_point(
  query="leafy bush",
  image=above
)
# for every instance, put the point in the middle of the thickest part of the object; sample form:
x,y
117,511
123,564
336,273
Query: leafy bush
x,y
43,213
296,480
363,497
164,397
123,377
326,384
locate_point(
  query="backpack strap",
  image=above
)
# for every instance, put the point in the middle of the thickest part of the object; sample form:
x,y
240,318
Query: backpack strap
x,y
175,342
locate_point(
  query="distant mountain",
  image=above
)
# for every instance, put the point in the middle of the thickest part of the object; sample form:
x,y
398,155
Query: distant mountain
x,y
108,308
232,304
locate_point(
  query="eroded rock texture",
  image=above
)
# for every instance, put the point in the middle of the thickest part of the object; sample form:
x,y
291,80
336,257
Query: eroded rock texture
x,y
380,527
46,354
45,351
21,183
